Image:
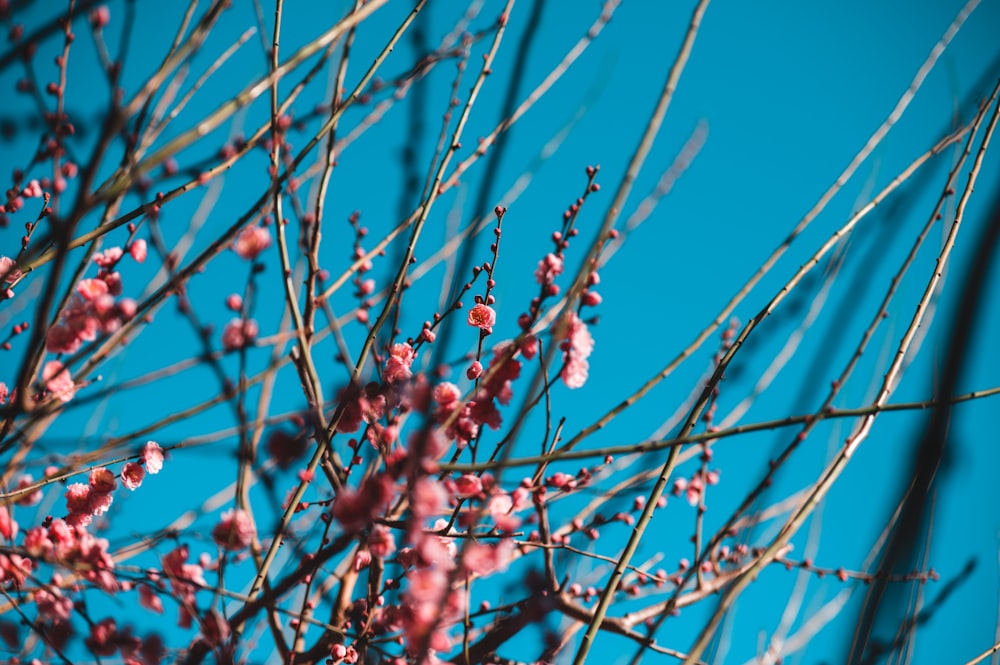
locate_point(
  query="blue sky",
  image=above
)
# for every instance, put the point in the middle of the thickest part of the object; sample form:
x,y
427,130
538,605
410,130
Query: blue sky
x,y
788,93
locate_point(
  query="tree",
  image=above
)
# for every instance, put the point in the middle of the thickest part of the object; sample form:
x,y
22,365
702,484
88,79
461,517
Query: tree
x,y
341,334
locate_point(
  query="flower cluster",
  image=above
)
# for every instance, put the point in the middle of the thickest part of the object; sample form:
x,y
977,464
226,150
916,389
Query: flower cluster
x,y
92,308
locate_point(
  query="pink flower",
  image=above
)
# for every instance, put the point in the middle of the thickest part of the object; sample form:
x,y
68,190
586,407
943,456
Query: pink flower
x,y
251,242
78,498
28,499
381,542
132,475
99,503
138,250
33,190
397,367
109,257
529,346
58,381
102,638
484,558
53,605
239,333
234,531
446,393
8,270
483,317
100,16
8,525
152,457
149,599
102,481
428,497
577,347
548,269
562,481
468,485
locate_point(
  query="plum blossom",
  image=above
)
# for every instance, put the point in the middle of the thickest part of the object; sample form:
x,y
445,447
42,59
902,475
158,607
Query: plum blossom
x,y
152,457
694,488
486,558
91,310
138,250
185,579
548,269
99,17
381,542
234,531
8,525
8,270
468,485
102,640
52,604
239,333
32,498
397,366
577,347
149,599
132,475
251,242
14,568
58,381
109,257
483,317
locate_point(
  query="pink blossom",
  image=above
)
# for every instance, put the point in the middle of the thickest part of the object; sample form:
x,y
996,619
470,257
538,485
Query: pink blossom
x,y
397,366
483,317
102,640
446,393
284,448
562,481
485,558
14,568
428,497
8,270
108,258
548,269
239,333
99,17
150,599
234,531
58,381
4,392
251,242
138,250
102,481
52,604
438,551
501,507
362,559
468,485
577,347
381,542
99,503
32,498
33,190
8,525
152,457
355,508
132,475
529,346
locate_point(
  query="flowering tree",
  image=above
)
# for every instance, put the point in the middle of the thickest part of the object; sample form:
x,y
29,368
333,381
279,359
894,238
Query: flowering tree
x,y
265,397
